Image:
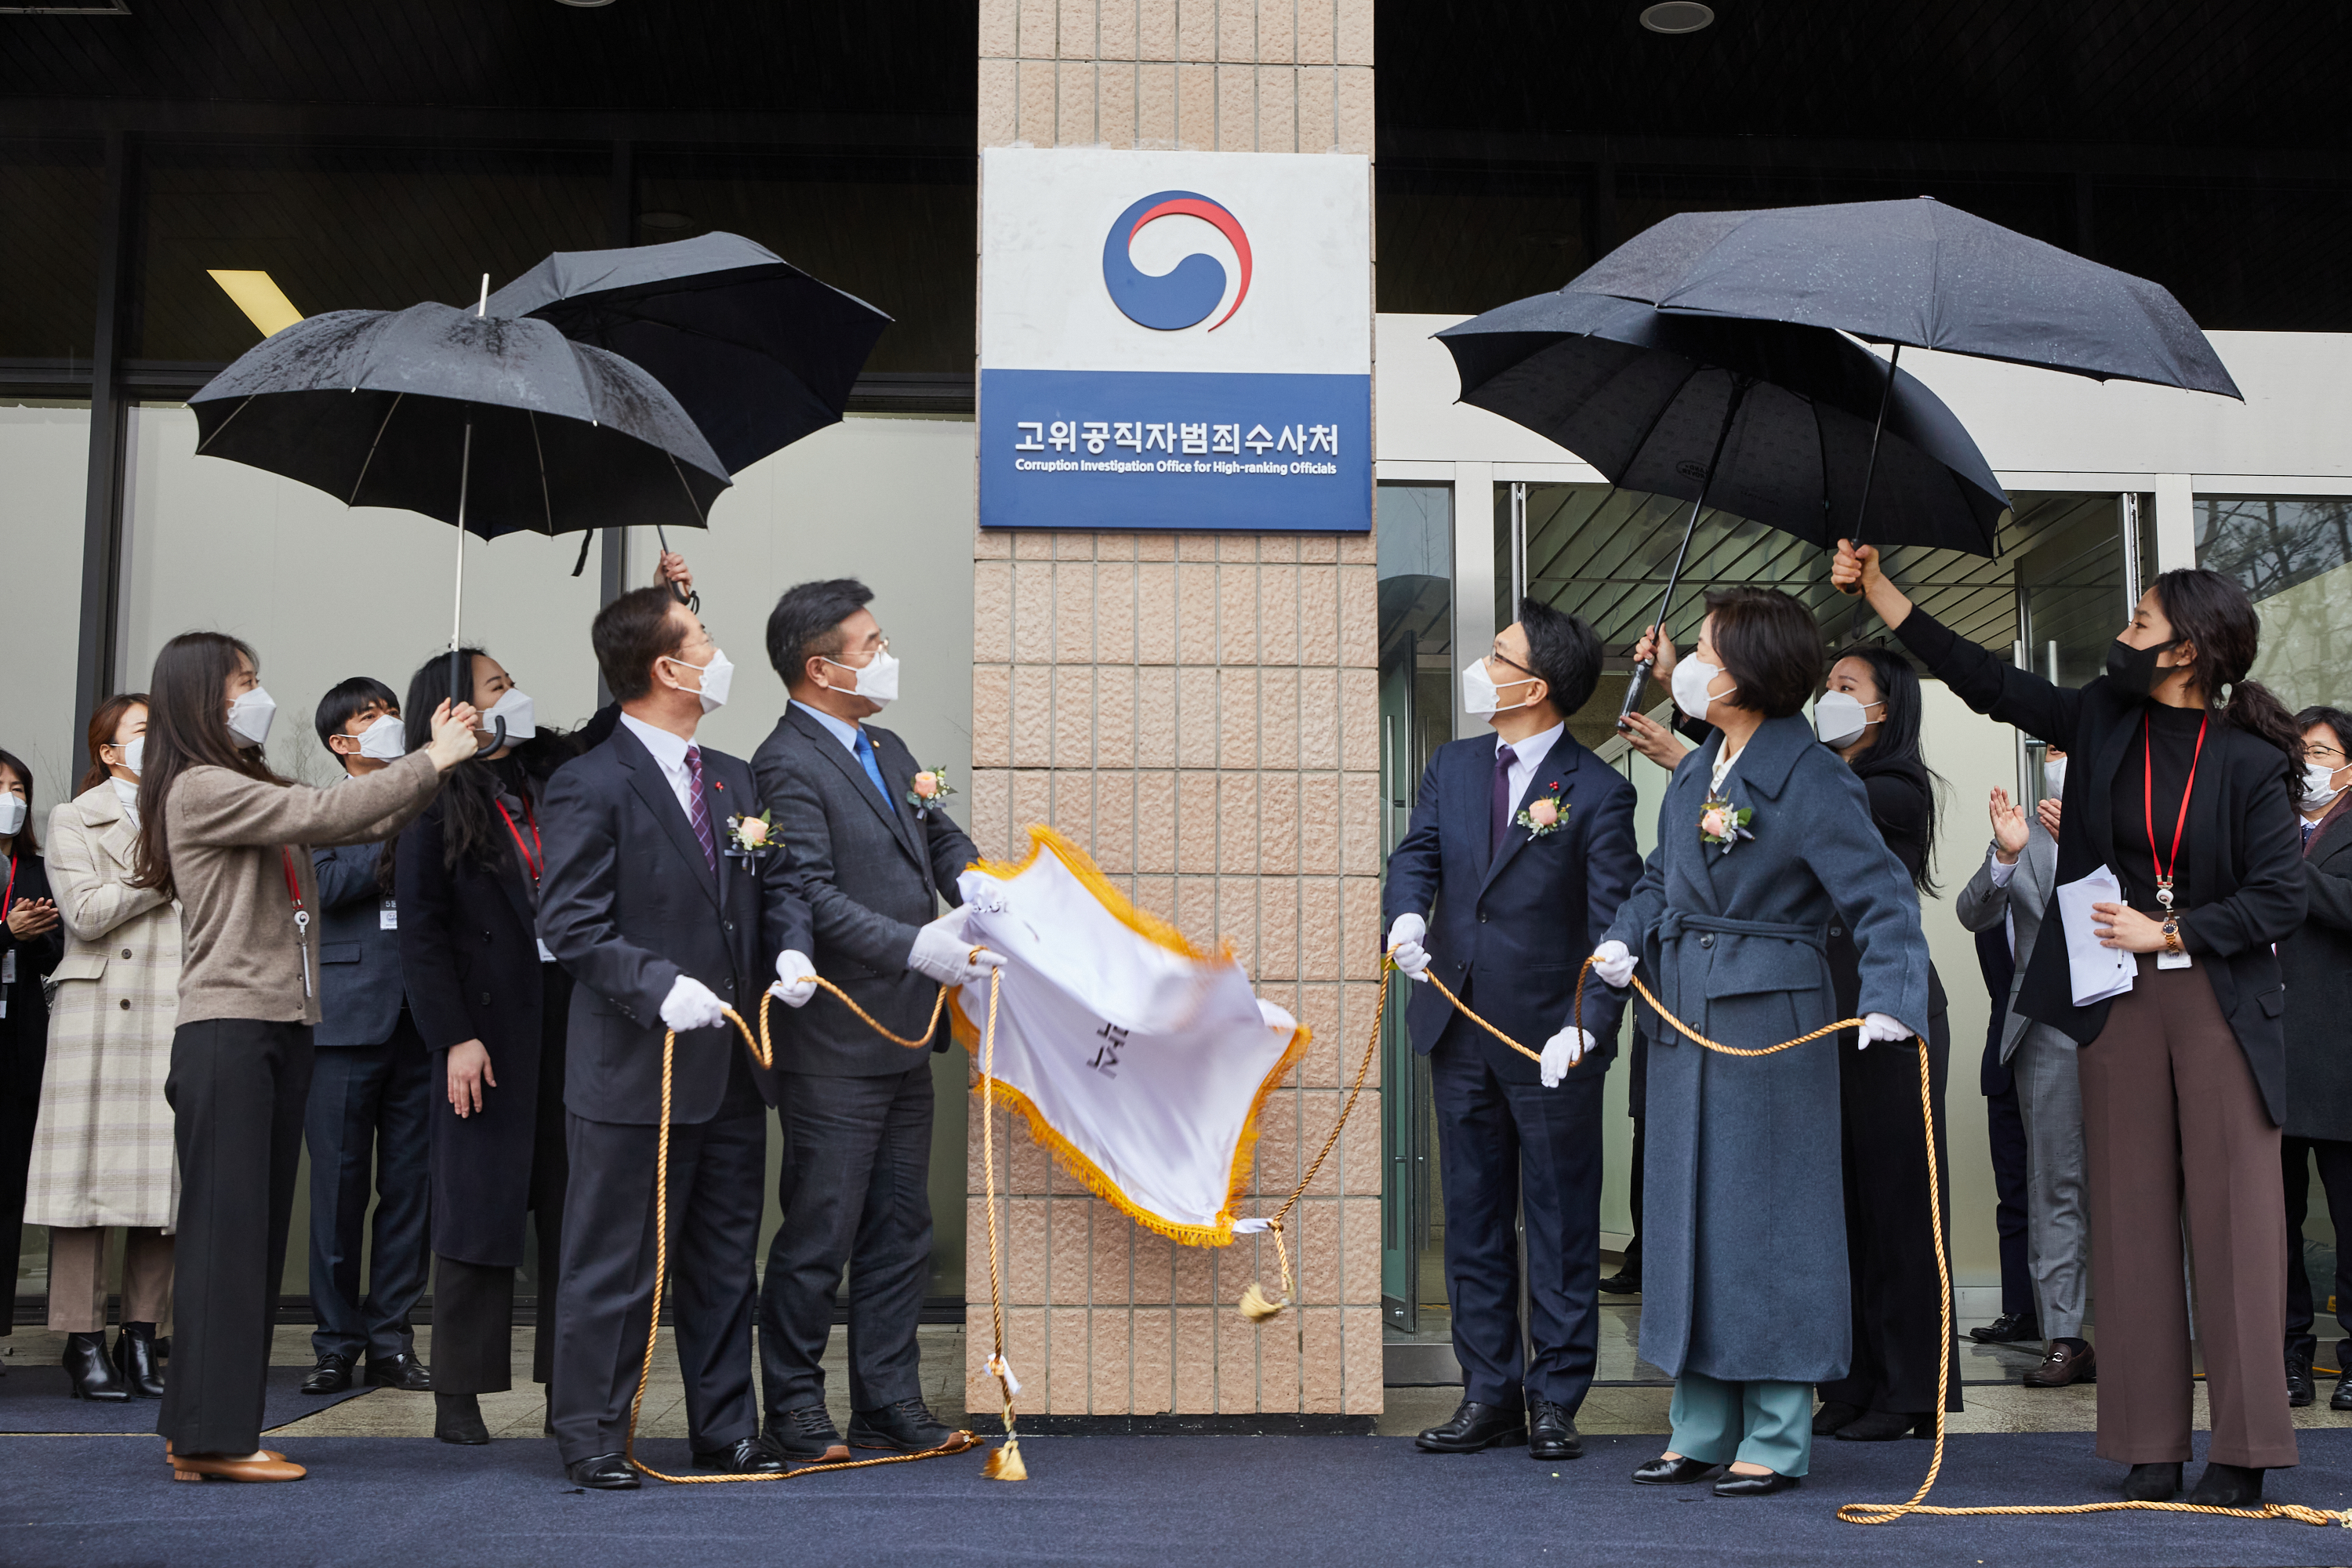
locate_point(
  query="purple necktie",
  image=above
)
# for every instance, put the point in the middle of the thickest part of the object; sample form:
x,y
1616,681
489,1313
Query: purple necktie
x,y
1504,758
699,813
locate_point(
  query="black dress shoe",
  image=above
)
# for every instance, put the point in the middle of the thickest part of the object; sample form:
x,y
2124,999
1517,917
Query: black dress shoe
x,y
331,1375
1624,1282
2299,1392
399,1370
1474,1427
1833,1415
1765,1485
743,1457
1886,1426
458,1418
2228,1485
135,1358
88,1374
2152,1483
906,1425
1675,1472
1551,1431
806,1436
603,1473
2009,1329
2342,1398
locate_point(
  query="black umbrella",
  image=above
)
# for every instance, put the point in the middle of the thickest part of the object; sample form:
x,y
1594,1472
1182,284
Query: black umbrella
x,y
1765,420
497,425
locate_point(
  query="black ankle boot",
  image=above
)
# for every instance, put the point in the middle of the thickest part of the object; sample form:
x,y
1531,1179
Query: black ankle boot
x,y
89,1375
2228,1485
2152,1483
1877,1426
134,1359
458,1418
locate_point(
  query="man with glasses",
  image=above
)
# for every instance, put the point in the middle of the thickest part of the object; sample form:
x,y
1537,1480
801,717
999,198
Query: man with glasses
x,y
874,853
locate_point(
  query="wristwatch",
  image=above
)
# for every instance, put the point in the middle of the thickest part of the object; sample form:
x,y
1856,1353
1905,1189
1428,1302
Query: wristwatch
x,y
2172,934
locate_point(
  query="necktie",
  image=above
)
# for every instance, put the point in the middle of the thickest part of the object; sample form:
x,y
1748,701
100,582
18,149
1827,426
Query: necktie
x,y
874,770
1504,758
697,811
2308,829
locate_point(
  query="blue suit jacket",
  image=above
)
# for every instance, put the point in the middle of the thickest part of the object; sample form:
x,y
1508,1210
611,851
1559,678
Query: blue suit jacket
x,y
1514,926
360,988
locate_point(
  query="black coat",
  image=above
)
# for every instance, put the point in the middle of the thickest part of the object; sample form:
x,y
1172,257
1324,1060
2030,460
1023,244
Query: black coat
x,y
24,1032
2317,964
2245,877
1898,804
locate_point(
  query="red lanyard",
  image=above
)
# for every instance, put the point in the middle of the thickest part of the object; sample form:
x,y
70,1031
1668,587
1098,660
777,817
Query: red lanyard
x,y
2170,863
10,896
293,890
530,863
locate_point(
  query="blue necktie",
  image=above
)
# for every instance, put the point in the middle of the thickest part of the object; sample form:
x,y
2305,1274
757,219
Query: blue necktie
x,y
874,770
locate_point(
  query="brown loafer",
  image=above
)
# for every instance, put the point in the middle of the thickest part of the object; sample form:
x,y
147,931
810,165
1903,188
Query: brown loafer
x,y
233,1467
2065,1365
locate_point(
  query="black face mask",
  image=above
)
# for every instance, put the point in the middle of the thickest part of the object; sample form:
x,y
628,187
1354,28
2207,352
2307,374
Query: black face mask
x,y
2134,670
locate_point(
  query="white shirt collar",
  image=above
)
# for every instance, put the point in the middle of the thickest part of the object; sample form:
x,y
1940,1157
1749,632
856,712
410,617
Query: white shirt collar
x,y
843,730
1530,752
669,750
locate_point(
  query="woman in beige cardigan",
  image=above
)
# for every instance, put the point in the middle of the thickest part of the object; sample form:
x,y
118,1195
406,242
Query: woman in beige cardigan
x,y
103,1150
232,841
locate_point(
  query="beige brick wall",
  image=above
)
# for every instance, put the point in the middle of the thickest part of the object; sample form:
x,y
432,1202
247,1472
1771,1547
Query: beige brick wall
x,y
1202,713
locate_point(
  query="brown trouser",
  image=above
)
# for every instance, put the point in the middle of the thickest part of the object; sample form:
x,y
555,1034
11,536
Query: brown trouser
x,y
2172,1121
78,1276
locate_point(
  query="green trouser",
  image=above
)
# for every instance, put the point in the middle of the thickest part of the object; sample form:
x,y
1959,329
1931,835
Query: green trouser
x,y
1768,1424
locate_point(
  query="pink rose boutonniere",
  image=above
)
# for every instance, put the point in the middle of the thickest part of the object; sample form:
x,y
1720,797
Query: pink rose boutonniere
x,y
1548,815
928,790
1720,822
748,837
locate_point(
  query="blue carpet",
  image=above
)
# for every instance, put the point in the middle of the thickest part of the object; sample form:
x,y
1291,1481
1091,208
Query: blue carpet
x,y
1302,1503
33,1399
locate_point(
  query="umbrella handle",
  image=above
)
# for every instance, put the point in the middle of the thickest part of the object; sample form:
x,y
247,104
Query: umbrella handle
x,y
1634,687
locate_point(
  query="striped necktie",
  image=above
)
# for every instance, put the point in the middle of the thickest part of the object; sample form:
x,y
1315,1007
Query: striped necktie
x,y
697,811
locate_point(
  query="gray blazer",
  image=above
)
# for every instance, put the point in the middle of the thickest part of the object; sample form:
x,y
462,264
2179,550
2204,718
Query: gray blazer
x,y
360,988
872,873
1980,906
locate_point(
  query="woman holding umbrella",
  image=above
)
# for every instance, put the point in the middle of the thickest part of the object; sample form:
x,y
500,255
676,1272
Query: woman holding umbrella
x,y
2182,786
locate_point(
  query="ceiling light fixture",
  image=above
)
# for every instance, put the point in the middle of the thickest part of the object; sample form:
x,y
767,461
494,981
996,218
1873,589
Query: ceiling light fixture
x,y
1678,16
265,304
586,4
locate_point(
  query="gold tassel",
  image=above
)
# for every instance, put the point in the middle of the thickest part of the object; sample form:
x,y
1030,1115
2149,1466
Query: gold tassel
x,y
1004,1464
1257,1306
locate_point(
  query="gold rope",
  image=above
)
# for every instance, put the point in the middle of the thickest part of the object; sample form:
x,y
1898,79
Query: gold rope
x,y
1004,1464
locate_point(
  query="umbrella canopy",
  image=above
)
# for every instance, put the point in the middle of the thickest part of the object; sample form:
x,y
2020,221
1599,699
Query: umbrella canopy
x,y
1919,273
1765,420
506,426
758,352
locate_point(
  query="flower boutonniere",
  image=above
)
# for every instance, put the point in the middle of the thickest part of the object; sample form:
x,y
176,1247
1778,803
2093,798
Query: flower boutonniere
x,y
1720,822
1546,815
748,837
930,788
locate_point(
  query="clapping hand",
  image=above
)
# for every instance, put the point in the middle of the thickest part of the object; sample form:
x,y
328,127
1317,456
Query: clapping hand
x,y
2008,827
29,918
2047,810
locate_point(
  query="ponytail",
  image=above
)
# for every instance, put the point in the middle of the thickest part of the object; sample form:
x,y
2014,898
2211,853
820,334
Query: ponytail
x,y
2215,615
2254,708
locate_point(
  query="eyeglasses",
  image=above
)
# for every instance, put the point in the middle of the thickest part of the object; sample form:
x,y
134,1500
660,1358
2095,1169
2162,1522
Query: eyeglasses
x,y
2309,750
1497,654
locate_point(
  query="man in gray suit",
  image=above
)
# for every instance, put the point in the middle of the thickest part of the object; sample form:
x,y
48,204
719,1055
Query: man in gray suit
x,y
2013,888
874,854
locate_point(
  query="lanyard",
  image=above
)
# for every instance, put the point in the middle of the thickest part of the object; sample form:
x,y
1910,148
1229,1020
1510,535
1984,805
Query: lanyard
x,y
2170,863
530,863
10,896
301,917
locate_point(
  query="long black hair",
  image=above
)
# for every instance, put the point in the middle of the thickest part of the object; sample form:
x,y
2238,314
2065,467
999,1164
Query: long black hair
x,y
27,841
2214,614
1896,749
471,828
187,727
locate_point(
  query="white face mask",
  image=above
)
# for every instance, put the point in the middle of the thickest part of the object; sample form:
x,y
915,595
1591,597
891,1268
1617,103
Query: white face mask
x,y
1841,717
134,752
386,740
13,811
522,721
2319,786
249,717
717,676
878,680
1481,696
1691,679
2053,777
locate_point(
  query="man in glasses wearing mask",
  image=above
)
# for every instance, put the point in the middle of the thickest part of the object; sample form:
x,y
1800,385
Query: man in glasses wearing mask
x,y
877,853
370,1092
1521,848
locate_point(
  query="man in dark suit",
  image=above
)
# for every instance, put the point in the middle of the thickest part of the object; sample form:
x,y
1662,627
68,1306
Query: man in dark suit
x,y
663,909
1521,850
370,1093
874,853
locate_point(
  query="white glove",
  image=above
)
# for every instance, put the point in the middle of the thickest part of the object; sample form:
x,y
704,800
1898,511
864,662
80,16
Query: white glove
x,y
981,892
1405,945
941,949
691,1005
1563,1051
795,979
1881,1026
1614,964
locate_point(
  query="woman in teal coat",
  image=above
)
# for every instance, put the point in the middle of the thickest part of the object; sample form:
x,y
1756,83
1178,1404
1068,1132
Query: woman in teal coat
x,y
1765,839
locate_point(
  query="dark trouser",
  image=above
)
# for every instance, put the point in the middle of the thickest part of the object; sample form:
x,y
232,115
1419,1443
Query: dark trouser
x,y
1501,1146
854,1189
473,1303
1898,1317
2172,1121
366,1120
24,1044
2335,1158
1633,1264
238,1087
608,1281
2005,1130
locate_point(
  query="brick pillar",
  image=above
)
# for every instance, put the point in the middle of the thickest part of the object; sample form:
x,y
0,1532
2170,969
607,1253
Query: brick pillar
x,y
1201,712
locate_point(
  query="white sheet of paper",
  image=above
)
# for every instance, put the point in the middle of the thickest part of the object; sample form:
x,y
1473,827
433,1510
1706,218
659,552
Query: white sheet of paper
x,y
2099,972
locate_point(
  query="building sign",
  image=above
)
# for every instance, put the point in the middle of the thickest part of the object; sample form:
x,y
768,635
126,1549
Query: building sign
x,y
1175,341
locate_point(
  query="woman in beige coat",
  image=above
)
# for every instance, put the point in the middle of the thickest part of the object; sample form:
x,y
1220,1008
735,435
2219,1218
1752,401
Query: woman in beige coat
x,y
102,1153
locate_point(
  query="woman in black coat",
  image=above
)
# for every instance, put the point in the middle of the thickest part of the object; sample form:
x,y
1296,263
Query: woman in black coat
x,y
31,943
492,1005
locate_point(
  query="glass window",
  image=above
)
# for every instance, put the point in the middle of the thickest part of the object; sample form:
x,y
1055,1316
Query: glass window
x,y
2295,556
50,192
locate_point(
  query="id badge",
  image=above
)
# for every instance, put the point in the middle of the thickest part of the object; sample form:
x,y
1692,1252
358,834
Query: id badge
x,y
388,917
2172,961
9,967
